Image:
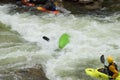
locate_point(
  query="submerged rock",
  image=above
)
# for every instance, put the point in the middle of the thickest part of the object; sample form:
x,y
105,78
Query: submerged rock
x,y
31,74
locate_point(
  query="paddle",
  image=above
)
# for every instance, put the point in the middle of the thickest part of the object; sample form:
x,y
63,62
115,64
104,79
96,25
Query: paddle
x,y
102,59
45,38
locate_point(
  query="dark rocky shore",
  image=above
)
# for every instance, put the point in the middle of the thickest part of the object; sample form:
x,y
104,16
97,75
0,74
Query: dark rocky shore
x,y
99,6
113,5
89,7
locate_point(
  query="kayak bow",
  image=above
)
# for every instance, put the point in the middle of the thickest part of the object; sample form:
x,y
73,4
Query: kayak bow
x,y
48,11
98,74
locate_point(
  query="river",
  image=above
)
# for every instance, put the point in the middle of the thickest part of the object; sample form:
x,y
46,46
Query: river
x,y
22,45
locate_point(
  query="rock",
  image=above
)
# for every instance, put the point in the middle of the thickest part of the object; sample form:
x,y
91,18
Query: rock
x,y
112,5
31,74
93,5
115,7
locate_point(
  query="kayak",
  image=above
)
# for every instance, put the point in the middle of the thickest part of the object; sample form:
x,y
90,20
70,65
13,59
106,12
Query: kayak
x,y
48,11
99,73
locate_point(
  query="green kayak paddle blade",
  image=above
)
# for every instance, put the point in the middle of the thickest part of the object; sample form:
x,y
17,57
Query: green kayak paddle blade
x,y
63,40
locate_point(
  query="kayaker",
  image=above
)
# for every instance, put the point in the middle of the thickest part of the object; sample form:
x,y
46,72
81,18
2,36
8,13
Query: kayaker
x,y
48,4
112,68
28,2
55,5
51,5
33,2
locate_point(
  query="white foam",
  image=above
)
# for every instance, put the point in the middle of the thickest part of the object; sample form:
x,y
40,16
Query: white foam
x,y
88,40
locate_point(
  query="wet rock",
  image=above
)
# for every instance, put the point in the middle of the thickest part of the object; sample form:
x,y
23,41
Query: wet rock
x,y
31,74
115,7
93,5
112,5
89,4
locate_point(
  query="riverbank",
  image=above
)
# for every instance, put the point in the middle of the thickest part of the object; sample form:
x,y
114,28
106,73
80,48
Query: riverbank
x,y
85,6
94,7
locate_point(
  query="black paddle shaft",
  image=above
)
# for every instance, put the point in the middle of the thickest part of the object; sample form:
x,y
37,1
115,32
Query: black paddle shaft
x,y
102,59
45,38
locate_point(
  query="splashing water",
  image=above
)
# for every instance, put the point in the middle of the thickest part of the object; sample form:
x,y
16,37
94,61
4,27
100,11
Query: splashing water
x,y
22,45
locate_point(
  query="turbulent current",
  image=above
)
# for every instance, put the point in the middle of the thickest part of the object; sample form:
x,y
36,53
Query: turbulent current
x,y
22,45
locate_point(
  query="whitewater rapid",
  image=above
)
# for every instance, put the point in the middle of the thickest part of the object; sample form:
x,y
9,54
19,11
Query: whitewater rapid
x,y
90,37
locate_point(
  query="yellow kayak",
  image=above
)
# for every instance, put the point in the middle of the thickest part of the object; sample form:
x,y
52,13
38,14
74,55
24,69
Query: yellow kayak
x,y
99,73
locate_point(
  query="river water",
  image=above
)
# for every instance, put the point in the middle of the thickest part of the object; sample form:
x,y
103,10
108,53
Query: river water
x,y
22,45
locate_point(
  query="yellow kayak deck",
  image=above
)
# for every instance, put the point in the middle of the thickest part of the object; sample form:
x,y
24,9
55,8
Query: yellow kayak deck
x,y
97,74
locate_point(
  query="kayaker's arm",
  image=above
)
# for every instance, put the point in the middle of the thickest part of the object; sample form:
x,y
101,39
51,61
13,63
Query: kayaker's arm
x,y
112,68
105,66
